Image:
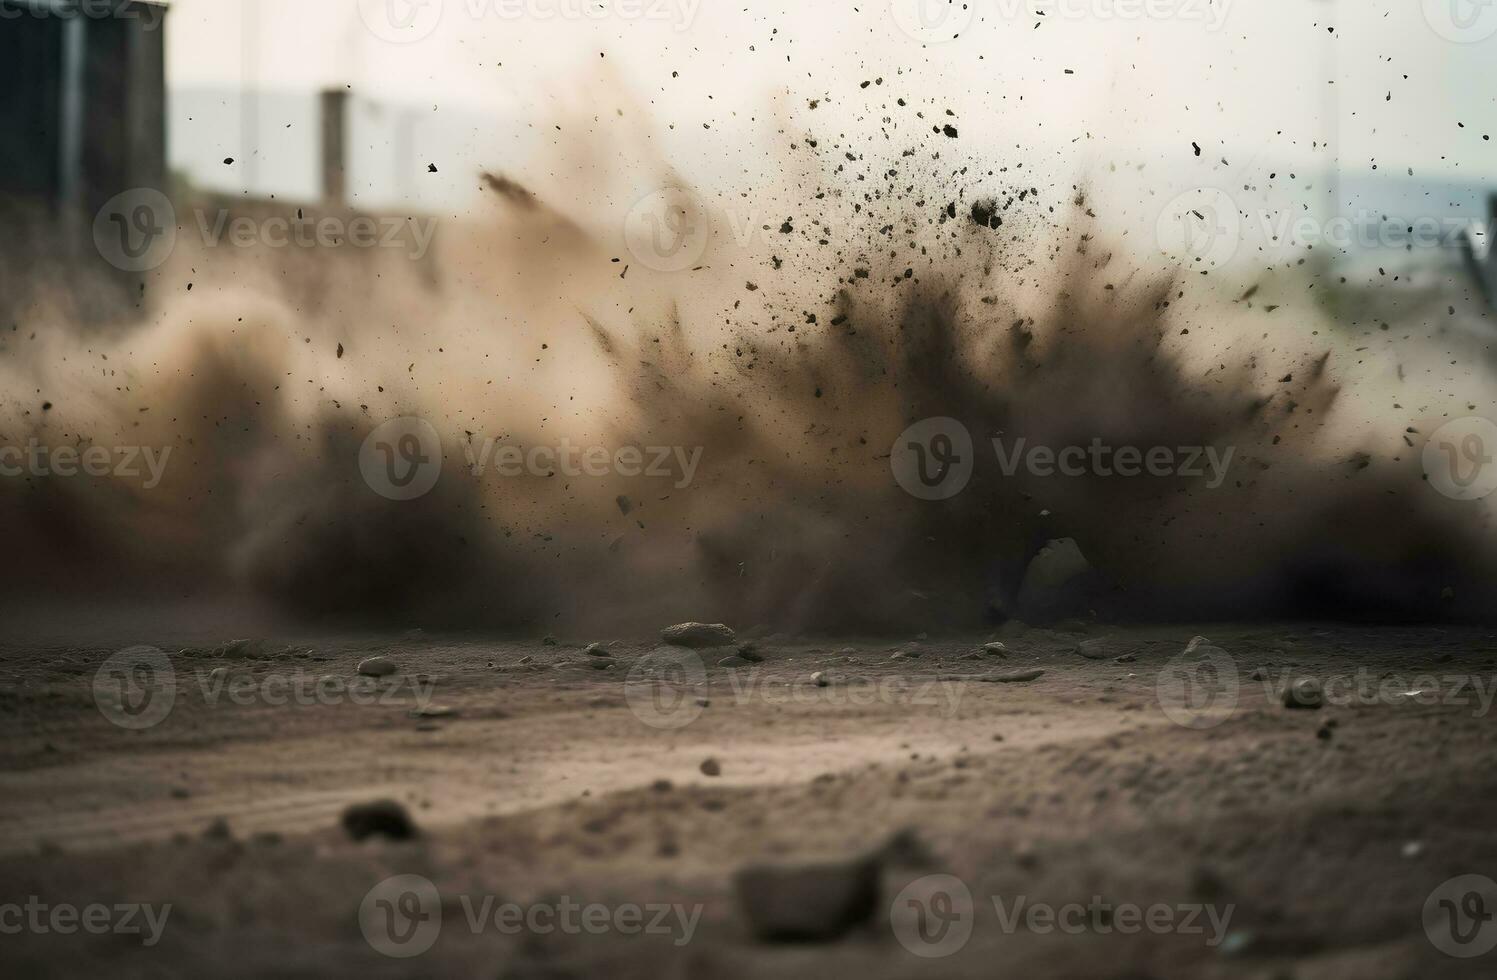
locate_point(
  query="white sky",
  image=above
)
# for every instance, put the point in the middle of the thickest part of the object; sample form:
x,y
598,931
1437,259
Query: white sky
x,y
489,77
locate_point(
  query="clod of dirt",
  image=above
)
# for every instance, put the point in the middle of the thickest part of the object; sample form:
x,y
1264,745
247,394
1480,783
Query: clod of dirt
x,y
697,635
1304,693
750,652
384,817
808,903
820,679
995,649
1094,649
434,711
711,767
1011,677
377,667
596,650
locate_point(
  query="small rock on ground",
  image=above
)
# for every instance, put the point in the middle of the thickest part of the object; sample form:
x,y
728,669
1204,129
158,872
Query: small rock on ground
x,y
377,667
386,818
808,903
697,635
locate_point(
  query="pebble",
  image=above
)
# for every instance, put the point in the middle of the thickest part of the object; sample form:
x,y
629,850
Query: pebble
x,y
386,818
995,649
377,667
697,635
808,903
596,650
820,679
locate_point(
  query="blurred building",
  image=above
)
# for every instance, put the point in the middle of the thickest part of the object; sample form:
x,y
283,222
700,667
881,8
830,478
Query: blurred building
x,y
83,119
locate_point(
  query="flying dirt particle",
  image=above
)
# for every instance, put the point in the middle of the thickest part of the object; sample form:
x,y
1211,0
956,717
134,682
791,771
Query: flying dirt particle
x,y
985,213
949,130
786,228
711,767
1197,147
340,351
386,818
431,168
228,161
624,503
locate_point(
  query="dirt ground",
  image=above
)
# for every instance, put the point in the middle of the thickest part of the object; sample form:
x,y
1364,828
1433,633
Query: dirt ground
x,y
538,776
